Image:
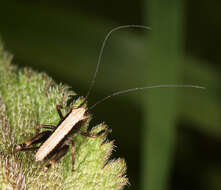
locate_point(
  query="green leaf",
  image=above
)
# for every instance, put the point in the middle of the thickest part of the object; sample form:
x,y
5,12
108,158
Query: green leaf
x,y
27,99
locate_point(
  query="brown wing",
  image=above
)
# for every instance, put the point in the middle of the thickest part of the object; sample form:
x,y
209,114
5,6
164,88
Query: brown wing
x,y
63,129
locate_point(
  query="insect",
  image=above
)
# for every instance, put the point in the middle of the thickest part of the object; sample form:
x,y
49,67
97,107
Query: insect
x,y
55,141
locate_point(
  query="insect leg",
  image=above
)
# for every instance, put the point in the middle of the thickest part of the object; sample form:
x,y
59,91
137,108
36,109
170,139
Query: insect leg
x,y
37,139
87,134
29,148
58,107
38,127
61,152
72,151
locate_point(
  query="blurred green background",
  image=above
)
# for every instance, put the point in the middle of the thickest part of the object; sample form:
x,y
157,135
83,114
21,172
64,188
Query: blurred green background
x,y
170,138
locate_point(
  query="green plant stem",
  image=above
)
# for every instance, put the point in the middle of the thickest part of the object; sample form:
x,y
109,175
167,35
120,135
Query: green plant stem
x,y
160,105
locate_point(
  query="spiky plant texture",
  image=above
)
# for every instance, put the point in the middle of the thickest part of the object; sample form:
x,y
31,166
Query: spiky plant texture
x,y
27,99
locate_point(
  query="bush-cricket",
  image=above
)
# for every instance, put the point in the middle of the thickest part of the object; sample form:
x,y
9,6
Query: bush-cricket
x,y
55,140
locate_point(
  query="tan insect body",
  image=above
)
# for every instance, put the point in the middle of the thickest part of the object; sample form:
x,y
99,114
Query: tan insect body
x,y
64,128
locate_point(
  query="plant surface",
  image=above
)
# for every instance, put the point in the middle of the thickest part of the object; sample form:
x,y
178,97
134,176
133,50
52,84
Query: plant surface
x,y
27,99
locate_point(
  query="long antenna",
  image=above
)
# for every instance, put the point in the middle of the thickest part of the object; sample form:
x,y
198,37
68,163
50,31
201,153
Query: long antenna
x,y
144,88
102,50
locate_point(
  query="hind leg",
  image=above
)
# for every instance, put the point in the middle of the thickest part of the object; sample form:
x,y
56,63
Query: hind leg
x,y
70,140
37,139
60,153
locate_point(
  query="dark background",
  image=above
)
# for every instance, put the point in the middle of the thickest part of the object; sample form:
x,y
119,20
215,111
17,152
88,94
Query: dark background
x,y
170,138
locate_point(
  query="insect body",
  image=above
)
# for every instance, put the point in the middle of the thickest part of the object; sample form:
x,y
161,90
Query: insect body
x,y
55,141
75,116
